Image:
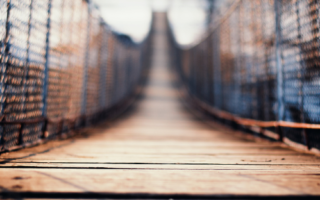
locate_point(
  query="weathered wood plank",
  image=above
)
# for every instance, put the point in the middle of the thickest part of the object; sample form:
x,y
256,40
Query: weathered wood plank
x,y
307,168
161,181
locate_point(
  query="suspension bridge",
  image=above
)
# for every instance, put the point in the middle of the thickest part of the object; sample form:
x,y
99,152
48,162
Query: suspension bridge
x,y
138,125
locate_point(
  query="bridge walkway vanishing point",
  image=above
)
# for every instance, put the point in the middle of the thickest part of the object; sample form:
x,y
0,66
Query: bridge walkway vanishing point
x,y
159,148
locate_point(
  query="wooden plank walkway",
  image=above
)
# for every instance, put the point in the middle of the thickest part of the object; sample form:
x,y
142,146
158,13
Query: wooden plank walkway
x,y
160,148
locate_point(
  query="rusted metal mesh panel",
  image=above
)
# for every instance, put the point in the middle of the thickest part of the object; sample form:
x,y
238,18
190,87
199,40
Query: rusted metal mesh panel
x,y
61,68
58,62
33,88
263,65
300,58
22,72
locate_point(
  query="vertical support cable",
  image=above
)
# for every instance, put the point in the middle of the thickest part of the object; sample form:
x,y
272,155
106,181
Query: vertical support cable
x,y
115,75
277,6
190,78
86,64
46,66
103,67
217,69
237,85
206,72
46,70
200,66
1,86
301,74
5,66
3,59
27,55
254,68
26,71
265,100
6,53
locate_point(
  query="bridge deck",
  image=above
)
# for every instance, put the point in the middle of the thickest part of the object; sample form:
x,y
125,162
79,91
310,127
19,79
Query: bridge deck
x,y
159,147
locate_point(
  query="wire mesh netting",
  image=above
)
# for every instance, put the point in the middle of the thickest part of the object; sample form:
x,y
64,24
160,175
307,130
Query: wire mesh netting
x,y
61,68
3,19
260,61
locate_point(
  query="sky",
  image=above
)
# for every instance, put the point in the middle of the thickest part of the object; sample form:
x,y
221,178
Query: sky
x,y
133,17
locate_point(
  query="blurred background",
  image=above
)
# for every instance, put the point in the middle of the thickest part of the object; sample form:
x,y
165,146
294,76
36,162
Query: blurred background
x,y
188,18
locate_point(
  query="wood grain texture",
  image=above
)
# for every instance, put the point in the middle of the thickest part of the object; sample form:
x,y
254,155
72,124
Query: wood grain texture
x,y
159,147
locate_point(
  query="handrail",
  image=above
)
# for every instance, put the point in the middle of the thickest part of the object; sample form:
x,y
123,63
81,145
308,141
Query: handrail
x,y
257,65
73,69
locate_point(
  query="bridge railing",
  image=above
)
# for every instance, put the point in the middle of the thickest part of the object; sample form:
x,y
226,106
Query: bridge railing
x,y
62,68
258,68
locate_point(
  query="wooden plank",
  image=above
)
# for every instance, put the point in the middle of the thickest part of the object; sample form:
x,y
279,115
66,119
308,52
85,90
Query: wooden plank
x,y
144,181
307,168
196,159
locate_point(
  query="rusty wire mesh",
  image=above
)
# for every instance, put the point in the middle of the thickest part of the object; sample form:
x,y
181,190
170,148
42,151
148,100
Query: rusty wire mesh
x,y
260,61
61,68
